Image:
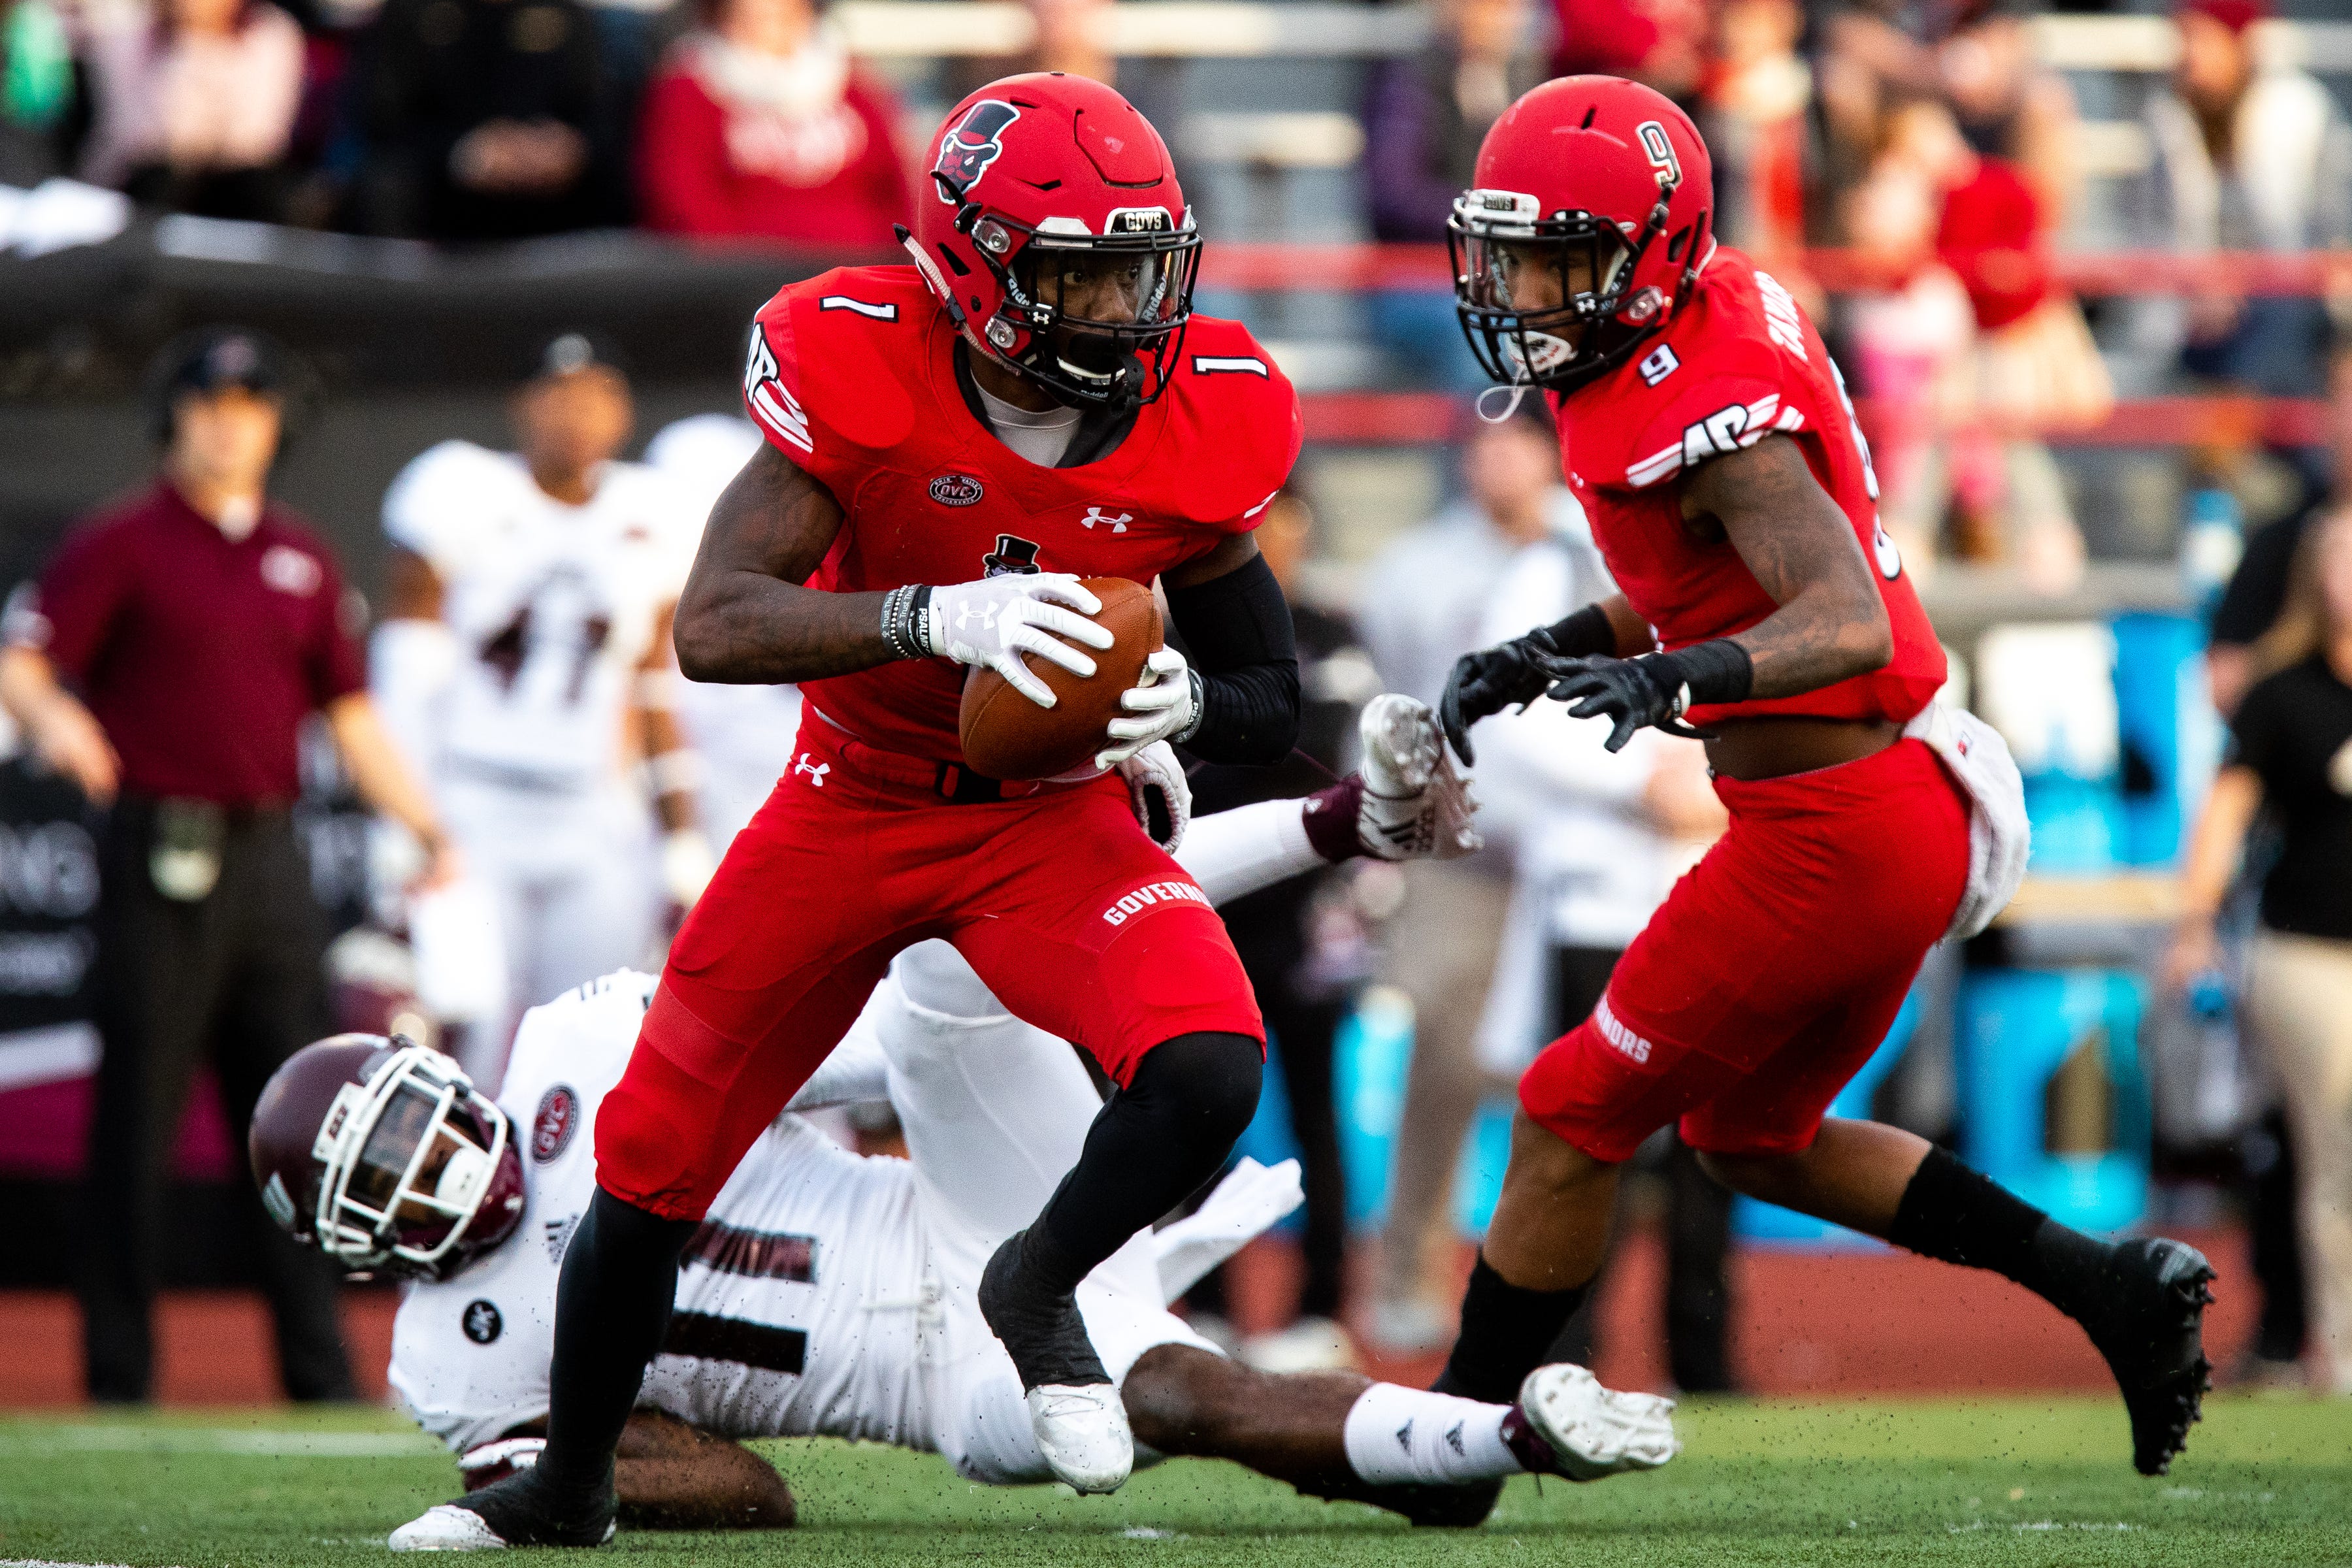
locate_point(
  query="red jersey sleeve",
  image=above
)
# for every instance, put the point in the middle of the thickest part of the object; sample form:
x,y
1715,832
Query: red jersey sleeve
x,y
80,596
772,382
1232,400
1731,401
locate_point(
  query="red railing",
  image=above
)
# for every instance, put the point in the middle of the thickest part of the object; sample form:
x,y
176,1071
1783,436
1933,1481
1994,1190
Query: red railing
x,y
1412,418
1285,268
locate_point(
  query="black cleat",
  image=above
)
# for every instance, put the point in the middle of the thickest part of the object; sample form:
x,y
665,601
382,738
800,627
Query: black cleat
x,y
520,1510
1043,1334
2150,1327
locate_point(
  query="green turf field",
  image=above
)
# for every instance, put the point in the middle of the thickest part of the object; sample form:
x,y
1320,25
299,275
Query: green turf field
x,y
2012,1482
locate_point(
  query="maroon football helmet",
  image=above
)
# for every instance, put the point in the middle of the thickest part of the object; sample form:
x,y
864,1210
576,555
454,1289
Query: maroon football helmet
x,y
384,1154
1603,184
1037,175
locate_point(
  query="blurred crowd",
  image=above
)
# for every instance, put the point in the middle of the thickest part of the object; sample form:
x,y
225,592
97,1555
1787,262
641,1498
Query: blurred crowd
x,y
1908,170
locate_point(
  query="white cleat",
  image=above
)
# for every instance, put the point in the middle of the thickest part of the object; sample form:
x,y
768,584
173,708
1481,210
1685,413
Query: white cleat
x,y
444,1527
1595,1431
1083,1434
1415,805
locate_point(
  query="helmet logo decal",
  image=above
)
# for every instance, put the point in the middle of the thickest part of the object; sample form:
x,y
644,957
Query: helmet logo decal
x,y
557,1119
1139,220
1660,151
971,145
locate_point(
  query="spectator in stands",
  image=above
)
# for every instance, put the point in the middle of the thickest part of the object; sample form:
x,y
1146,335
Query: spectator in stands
x,y
485,119
1910,335
1659,43
2257,593
2009,106
2248,157
1273,930
2292,753
171,652
39,98
759,125
1757,124
1424,116
196,105
1427,602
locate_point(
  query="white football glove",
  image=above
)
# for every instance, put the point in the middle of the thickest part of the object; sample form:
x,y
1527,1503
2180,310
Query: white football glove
x,y
1162,701
1415,805
1155,768
992,622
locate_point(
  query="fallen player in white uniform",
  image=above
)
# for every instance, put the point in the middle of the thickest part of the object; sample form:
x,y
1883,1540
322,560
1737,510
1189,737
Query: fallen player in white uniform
x,y
829,1294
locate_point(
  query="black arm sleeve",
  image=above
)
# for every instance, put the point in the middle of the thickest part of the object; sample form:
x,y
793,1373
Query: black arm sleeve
x,y
1235,630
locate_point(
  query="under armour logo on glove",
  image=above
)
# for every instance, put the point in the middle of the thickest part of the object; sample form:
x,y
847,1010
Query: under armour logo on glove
x,y
815,770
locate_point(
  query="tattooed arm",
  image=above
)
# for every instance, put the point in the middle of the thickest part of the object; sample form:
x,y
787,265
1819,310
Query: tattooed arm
x,y
1832,623
745,618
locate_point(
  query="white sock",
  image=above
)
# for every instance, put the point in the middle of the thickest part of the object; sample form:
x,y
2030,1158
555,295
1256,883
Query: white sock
x,y
1231,853
1396,1434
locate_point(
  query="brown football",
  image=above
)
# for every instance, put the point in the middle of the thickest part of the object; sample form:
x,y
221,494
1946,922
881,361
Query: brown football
x,y
1006,736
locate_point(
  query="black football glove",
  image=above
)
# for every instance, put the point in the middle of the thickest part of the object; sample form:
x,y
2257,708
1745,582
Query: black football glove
x,y
1511,674
1635,693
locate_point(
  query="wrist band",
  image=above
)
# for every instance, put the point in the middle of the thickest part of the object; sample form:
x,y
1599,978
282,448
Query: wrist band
x,y
1584,634
905,622
1200,708
1717,671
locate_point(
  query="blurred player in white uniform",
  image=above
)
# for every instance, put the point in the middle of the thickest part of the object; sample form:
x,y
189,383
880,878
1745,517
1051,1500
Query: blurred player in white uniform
x,y
829,1294
526,660
743,734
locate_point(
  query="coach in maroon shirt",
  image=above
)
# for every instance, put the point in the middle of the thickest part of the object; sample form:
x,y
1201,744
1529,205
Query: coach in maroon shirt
x,y
174,648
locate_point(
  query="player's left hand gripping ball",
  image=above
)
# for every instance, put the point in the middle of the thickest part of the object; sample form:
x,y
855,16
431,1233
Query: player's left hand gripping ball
x,y
1164,701
1156,788
1629,691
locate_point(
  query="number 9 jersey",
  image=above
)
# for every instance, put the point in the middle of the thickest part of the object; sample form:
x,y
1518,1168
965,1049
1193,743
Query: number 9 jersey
x,y
1738,363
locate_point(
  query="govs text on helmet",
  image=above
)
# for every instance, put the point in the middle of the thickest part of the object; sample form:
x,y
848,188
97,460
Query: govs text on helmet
x,y
1593,215
384,1154
1037,179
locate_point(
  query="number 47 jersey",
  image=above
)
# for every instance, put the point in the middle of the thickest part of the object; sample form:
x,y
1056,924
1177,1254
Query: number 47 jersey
x,y
855,376
1738,363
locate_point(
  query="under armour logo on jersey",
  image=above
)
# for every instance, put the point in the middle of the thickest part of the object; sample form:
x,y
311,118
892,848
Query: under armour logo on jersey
x,y
1095,514
815,771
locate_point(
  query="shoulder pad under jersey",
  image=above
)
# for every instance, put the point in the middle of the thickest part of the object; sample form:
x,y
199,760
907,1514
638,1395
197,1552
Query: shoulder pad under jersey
x,y
1718,381
832,360
583,1038
1232,431
439,504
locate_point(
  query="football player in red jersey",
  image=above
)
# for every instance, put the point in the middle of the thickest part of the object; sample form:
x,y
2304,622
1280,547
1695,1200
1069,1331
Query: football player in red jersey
x,y
951,446
1709,436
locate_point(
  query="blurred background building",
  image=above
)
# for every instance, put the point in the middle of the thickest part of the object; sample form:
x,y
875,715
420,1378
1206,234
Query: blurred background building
x,y
2081,265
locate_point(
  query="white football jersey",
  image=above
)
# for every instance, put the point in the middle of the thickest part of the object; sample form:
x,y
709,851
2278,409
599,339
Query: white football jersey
x,y
552,606
806,1306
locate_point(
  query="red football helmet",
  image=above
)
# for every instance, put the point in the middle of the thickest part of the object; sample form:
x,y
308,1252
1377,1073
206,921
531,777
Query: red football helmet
x,y
1593,215
384,1154
1044,186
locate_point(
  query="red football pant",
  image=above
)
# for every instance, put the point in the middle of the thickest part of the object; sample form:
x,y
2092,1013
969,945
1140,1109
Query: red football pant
x,y
1078,923
1773,970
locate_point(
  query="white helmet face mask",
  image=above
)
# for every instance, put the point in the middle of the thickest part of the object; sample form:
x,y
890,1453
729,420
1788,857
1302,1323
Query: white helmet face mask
x,y
407,1162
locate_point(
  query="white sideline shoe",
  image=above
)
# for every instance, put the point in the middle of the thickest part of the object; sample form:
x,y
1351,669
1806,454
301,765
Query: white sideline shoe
x,y
444,1527
1596,1431
1082,1432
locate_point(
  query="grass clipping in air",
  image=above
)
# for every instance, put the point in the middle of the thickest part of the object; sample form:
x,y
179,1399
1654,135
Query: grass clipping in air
x,y
2021,1481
